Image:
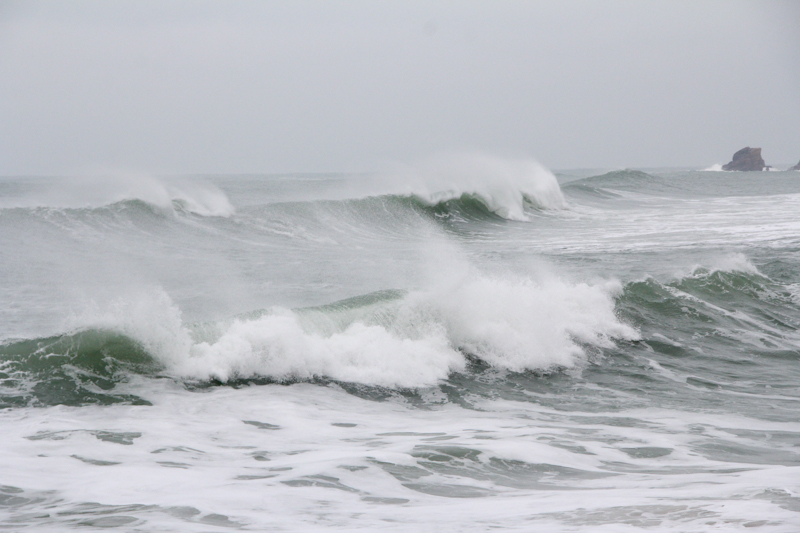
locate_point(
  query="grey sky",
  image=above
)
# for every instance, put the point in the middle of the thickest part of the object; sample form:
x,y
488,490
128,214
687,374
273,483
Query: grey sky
x,y
240,86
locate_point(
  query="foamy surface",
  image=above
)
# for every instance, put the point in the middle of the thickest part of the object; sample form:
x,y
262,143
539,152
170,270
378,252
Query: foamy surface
x,y
305,457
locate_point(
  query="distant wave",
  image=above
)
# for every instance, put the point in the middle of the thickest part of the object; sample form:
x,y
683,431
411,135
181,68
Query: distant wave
x,y
504,186
616,177
467,187
193,196
608,185
464,207
472,185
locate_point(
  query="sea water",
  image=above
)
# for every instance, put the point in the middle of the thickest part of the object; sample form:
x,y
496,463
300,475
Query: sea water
x,y
466,344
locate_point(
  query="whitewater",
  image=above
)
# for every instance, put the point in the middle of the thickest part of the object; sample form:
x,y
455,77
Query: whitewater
x,y
467,343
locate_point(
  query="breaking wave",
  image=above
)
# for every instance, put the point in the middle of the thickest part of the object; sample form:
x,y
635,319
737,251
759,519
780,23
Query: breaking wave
x,y
405,339
389,339
503,186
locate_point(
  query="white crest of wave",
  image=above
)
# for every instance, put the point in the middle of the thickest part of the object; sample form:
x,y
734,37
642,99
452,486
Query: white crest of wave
x,y
279,346
193,195
524,324
503,185
509,322
735,262
716,167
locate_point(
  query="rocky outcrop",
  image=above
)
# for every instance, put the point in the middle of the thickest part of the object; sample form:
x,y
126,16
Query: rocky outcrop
x,y
796,167
746,159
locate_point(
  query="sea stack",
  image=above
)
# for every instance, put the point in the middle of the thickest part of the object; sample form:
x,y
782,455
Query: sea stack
x,y
746,159
796,167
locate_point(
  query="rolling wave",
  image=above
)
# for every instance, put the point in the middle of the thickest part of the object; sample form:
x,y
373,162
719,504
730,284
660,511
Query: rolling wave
x,y
409,339
391,339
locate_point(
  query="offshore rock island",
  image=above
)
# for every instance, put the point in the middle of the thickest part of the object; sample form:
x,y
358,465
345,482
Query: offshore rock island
x,y
747,159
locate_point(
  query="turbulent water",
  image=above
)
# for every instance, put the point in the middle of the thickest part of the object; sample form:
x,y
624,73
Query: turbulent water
x,y
467,344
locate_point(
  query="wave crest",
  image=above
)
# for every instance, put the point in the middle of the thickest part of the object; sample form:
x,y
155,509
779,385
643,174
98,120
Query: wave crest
x,y
503,185
419,338
395,339
390,339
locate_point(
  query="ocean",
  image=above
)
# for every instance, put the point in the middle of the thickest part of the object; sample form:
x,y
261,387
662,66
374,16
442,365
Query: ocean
x,y
466,344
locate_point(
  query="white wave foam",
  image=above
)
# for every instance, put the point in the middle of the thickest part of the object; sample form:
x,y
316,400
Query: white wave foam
x,y
278,346
730,263
520,324
416,341
735,262
716,167
194,196
503,185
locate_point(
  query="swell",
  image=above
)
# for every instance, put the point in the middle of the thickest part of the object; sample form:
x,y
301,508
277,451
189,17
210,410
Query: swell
x,y
610,184
682,183
718,330
624,178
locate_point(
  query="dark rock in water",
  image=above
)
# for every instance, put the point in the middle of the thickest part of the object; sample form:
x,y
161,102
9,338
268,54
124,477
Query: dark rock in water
x,y
746,159
796,167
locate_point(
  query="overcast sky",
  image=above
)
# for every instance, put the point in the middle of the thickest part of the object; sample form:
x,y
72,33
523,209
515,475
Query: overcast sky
x,y
307,86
